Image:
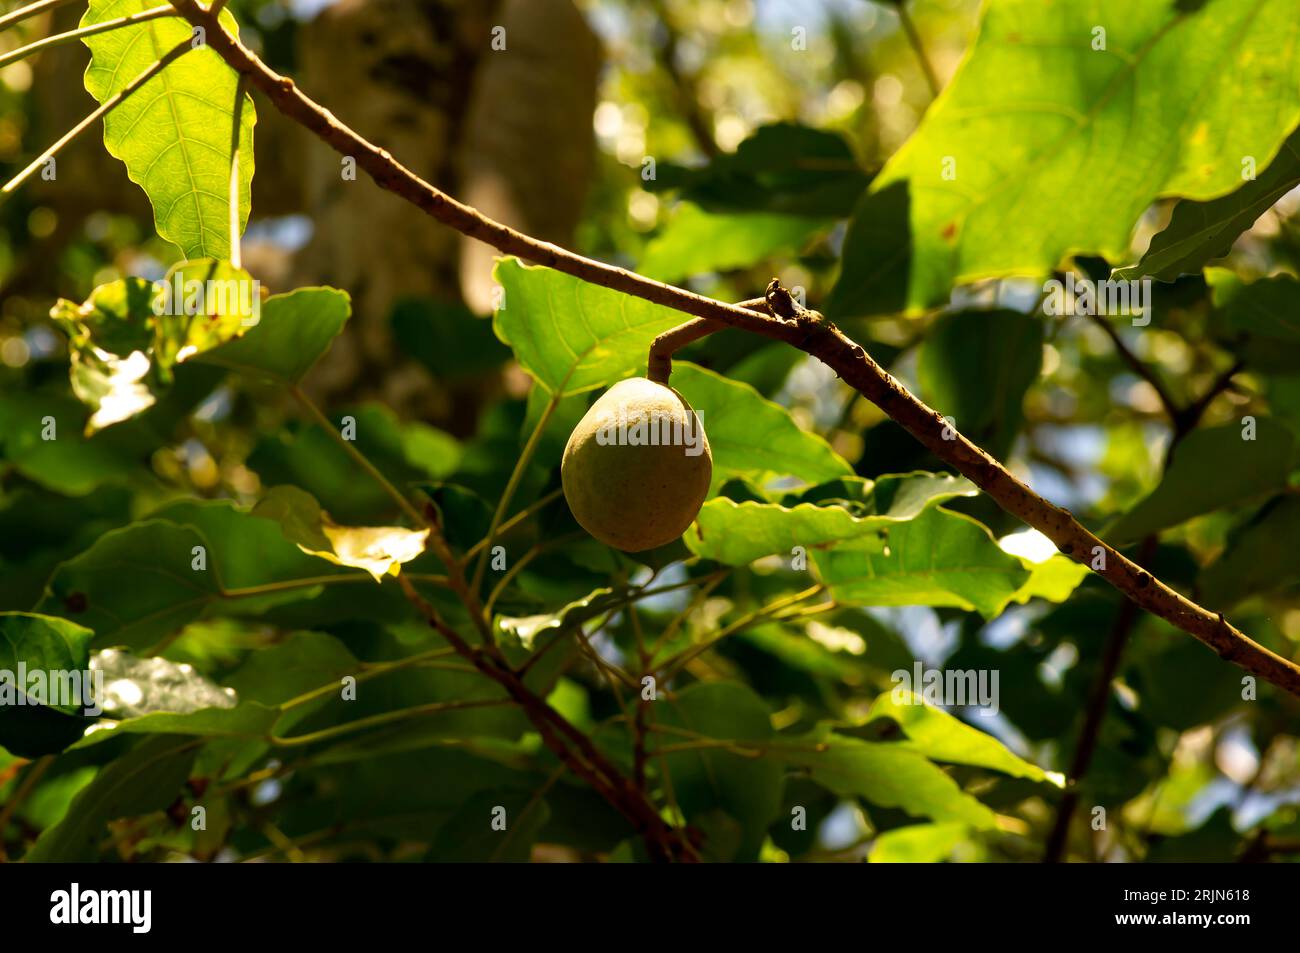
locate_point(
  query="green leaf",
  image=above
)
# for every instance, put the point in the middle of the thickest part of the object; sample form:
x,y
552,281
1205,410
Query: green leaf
x,y
468,836
751,436
887,775
29,726
738,533
1259,558
145,779
174,133
877,257
1053,579
446,337
1213,468
309,457
379,550
695,242
937,559
782,167
746,789
246,720
1257,320
302,662
1034,110
43,644
43,437
294,331
250,567
164,592
917,844
939,736
127,338
573,336
1201,231
975,367
247,551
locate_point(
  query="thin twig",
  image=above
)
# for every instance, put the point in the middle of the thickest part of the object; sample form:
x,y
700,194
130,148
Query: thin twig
x,y
659,363
385,718
58,39
31,777
539,504
357,456
521,563
1191,415
566,742
675,664
456,579
31,10
914,38
516,477
1094,714
1139,367
1184,420
104,109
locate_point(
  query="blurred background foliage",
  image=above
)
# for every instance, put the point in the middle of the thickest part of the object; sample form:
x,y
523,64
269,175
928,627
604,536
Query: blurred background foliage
x,y
714,95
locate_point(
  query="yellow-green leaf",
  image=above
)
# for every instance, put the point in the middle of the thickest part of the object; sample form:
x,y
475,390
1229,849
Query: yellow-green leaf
x,y
174,133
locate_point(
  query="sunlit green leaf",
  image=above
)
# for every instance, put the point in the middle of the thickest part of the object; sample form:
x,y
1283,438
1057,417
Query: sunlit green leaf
x,y
1039,106
750,435
939,736
695,241
126,339
917,844
573,336
1201,231
379,550
294,330
937,559
737,533
888,775
174,134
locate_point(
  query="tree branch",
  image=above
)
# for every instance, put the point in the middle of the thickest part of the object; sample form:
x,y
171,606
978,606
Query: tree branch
x,y
574,749
1094,715
1138,367
799,327
688,100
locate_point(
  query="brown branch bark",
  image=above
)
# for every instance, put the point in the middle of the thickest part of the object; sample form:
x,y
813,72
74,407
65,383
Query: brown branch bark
x,y
1095,713
1184,420
574,749
803,329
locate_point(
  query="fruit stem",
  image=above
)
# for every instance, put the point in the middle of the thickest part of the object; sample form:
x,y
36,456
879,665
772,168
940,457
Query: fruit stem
x,y
659,365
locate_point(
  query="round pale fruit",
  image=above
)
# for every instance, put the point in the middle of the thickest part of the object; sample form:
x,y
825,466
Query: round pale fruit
x,y
637,466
